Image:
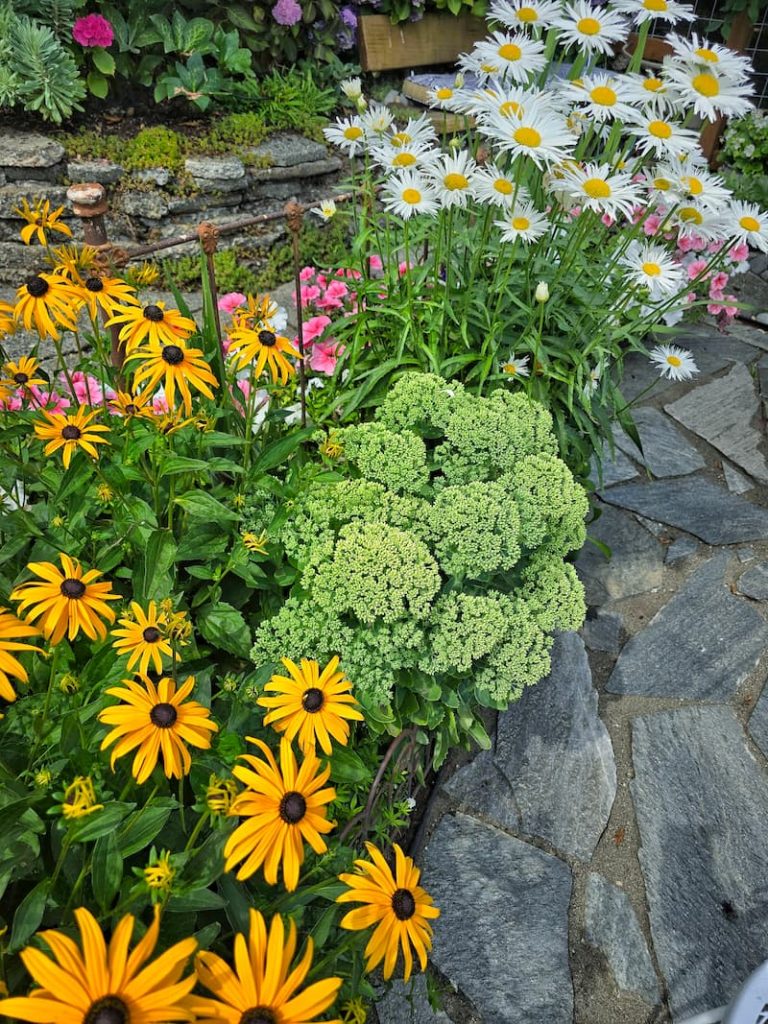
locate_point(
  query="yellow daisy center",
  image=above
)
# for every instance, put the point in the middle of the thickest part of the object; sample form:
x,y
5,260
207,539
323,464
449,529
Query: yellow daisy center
x,y
412,196
520,223
509,368
588,26
674,360
503,186
510,51
528,137
655,5
653,84
706,84
597,188
444,93
690,215
749,223
662,184
401,139
510,108
706,54
695,186
455,182
404,160
352,132
660,129
488,68
604,96
527,15
651,269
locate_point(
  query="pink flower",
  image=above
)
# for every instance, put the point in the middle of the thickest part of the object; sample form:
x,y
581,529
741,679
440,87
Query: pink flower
x,y
314,327
337,289
715,246
402,268
375,262
309,293
286,12
739,253
690,297
330,300
695,268
322,280
93,30
608,220
307,273
160,404
49,400
651,224
575,211
14,403
713,309
325,356
719,281
685,243
229,303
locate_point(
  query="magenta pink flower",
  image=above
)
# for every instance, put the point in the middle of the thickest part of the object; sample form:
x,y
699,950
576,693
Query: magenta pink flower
x,y
719,281
325,356
314,327
160,404
286,12
87,388
309,293
376,262
739,253
651,224
608,220
50,400
93,30
231,301
695,268
13,404
307,273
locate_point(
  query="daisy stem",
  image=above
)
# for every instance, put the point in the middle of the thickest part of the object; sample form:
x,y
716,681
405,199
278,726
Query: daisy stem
x,y
47,705
64,369
447,285
196,831
637,56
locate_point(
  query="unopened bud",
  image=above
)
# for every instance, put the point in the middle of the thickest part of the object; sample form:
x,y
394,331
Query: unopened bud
x,y
542,291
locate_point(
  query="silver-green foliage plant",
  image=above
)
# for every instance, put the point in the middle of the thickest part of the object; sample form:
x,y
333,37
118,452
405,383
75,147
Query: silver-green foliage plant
x,y
433,560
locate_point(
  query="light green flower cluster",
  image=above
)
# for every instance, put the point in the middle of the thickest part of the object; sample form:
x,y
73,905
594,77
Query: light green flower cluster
x,y
434,567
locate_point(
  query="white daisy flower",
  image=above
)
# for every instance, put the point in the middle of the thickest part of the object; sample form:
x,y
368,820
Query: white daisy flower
x,y
703,187
601,96
523,221
417,131
652,267
715,56
673,362
648,91
352,88
524,14
452,176
408,194
646,10
491,185
694,218
376,121
540,134
517,367
597,187
347,133
662,182
518,55
593,381
748,223
414,155
442,96
506,102
592,29
708,93
662,137
480,66
326,210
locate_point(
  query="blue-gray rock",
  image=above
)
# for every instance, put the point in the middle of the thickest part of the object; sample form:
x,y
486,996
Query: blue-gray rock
x,y
696,505
611,926
614,469
556,753
287,150
665,451
408,1003
602,631
479,788
701,645
758,722
502,936
702,807
159,176
754,582
681,548
722,412
736,481
636,563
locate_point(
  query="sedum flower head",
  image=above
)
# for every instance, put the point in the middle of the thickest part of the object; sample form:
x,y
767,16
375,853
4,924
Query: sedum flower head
x,y
520,661
476,527
463,628
554,593
552,505
396,460
420,401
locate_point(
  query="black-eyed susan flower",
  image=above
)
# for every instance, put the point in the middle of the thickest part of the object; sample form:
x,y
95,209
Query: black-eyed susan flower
x,y
66,600
158,720
70,431
255,542
12,630
284,806
265,987
177,367
45,303
143,638
159,873
104,984
152,324
144,275
220,795
23,373
73,261
263,348
396,904
41,218
131,405
106,293
311,704
79,799
7,319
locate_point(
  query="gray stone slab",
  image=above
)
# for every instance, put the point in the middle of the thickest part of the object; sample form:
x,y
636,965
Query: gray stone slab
x,y
735,481
666,452
681,548
287,150
408,1004
754,582
614,469
479,788
701,645
636,561
694,504
215,168
556,753
751,290
702,808
722,412
29,149
611,926
758,722
504,906
102,171
151,205
602,631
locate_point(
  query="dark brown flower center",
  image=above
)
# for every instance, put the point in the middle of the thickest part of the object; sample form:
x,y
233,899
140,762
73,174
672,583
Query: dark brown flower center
x,y
94,284
163,715
109,1010
312,700
267,338
173,355
151,635
72,588
21,378
259,1015
37,286
70,432
153,313
293,807
131,407
403,904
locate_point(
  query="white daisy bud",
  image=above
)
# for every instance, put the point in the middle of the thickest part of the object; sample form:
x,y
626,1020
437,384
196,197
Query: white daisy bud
x,y
542,291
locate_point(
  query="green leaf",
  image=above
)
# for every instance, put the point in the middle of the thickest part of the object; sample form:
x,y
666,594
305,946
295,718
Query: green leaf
x,y
203,899
224,627
201,505
144,825
98,85
100,822
29,914
175,464
104,61
277,452
152,580
106,870
347,766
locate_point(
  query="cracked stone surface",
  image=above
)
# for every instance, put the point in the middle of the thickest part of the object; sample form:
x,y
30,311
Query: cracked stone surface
x,y
754,582
481,789
736,481
665,452
504,903
681,548
636,563
409,1004
556,753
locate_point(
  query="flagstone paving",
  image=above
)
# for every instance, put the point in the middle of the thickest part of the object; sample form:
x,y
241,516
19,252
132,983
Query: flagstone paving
x,y
607,861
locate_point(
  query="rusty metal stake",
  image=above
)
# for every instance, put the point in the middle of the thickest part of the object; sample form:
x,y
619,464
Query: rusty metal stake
x,y
208,234
294,215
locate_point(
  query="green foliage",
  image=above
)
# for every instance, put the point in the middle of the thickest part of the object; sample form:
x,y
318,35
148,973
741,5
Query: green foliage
x,y
325,246
231,273
745,143
291,99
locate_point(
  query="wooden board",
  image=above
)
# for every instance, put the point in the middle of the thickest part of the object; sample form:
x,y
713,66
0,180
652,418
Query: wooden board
x,y
436,39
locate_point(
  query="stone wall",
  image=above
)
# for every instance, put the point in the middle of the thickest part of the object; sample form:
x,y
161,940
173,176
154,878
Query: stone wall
x,y
150,205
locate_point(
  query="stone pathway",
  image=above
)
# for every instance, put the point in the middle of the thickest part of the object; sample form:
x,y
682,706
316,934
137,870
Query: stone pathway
x,y
607,861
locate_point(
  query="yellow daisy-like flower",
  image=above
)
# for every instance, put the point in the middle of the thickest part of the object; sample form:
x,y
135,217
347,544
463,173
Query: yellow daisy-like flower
x,y
312,705
396,904
143,638
263,347
159,875
106,293
178,367
7,319
153,324
40,218
11,630
284,806
73,261
104,984
66,601
71,431
220,795
23,374
47,302
263,988
129,405
158,720
255,542
143,275
80,798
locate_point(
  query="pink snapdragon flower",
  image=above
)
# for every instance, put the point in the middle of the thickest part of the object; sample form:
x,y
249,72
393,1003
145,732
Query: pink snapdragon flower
x,y
286,12
231,301
93,30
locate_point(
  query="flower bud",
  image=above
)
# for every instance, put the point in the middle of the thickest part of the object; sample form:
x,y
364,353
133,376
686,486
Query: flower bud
x,y
542,291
